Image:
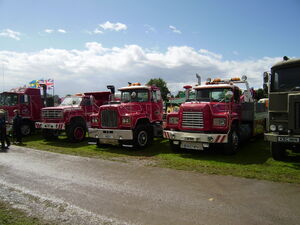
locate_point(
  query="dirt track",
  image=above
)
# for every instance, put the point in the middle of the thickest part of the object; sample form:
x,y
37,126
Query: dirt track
x,y
77,190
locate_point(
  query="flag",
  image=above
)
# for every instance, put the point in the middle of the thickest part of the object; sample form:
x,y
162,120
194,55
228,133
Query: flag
x,y
49,83
34,84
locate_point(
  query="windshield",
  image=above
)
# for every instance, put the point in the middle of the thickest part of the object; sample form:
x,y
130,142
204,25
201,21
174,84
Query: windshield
x,y
286,79
134,96
7,99
71,101
211,94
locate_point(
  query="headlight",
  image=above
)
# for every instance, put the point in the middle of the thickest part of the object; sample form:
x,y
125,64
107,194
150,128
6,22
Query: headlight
x,y
94,120
280,127
273,127
219,122
126,120
173,120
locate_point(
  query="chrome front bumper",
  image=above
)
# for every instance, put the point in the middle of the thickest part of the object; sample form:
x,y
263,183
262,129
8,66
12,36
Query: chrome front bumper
x,y
195,137
110,134
53,126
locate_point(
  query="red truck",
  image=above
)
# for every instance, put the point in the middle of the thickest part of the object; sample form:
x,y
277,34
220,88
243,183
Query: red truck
x,y
28,101
218,116
132,122
72,116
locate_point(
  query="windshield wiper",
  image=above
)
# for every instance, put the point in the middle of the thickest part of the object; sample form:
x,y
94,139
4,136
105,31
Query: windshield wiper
x,y
295,89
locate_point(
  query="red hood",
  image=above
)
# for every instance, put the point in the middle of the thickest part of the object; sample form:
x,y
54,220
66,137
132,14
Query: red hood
x,y
128,108
61,108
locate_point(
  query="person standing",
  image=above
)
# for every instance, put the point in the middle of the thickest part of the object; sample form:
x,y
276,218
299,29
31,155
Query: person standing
x,y
17,123
3,134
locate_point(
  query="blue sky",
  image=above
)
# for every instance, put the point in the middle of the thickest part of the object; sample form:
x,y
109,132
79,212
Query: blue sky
x,y
231,30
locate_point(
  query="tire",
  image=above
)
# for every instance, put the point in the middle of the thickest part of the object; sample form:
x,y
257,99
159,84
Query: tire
x,y
233,145
26,128
278,151
76,132
141,137
173,147
49,135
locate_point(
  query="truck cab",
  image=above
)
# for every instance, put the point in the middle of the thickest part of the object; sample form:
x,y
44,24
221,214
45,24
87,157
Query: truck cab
x,y
133,121
283,86
29,103
219,115
72,116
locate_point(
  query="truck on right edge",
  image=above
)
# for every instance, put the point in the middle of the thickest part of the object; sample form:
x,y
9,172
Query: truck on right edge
x,y
283,86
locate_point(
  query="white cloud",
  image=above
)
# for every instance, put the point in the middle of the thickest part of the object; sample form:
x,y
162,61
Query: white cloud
x,y
49,31
95,67
10,34
98,31
149,29
113,26
61,31
174,29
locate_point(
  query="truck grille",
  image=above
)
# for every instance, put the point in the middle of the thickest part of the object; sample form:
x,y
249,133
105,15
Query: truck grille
x,y
109,118
51,114
192,120
297,115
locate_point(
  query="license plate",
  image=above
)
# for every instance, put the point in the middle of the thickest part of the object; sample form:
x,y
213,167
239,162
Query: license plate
x,y
108,136
190,145
288,139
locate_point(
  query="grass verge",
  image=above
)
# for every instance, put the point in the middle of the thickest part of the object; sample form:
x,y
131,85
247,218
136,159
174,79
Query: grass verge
x,y
11,216
253,161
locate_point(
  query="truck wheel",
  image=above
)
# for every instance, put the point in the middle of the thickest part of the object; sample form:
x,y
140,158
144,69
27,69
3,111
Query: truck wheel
x,y
174,148
233,145
76,132
278,151
141,137
26,128
48,135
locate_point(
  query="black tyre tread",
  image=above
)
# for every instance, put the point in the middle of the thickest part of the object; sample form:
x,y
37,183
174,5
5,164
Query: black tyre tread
x,y
70,131
228,148
138,129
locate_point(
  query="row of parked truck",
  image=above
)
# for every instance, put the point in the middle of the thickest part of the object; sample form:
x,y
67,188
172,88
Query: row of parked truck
x,y
220,114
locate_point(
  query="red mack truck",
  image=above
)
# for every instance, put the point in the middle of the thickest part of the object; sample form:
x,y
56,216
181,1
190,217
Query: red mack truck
x,y
218,116
132,122
72,116
28,101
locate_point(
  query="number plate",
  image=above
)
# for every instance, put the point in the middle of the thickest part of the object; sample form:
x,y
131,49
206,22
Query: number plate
x,y
191,145
288,139
108,136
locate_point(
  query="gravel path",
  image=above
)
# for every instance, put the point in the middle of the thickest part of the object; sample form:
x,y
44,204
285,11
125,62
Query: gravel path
x,y
75,190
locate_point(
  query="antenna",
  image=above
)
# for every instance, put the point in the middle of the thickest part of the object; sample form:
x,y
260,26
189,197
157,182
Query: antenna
x,y
3,81
199,78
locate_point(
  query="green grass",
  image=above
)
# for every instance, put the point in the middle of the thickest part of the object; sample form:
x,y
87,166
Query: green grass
x,y
11,216
253,161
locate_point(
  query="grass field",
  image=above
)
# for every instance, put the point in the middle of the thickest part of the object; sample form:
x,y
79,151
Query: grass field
x,y
253,161
11,216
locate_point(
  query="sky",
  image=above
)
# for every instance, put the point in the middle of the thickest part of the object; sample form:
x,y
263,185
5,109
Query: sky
x,y
86,45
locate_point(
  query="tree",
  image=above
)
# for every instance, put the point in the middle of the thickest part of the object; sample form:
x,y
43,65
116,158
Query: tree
x,y
158,82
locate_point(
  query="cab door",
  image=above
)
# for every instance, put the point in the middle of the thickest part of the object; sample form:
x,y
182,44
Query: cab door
x,y
156,106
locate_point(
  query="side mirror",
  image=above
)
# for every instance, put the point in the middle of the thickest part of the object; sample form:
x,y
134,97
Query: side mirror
x,y
228,96
266,77
26,99
91,99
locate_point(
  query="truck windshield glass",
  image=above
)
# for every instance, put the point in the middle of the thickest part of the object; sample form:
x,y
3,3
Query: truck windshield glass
x,y
211,94
7,99
71,101
134,96
286,79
